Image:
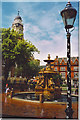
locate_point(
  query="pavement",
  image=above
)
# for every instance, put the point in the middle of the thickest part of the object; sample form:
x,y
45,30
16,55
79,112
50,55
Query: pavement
x,y
14,108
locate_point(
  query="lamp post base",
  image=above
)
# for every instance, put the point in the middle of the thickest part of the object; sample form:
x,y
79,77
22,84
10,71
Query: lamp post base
x,y
69,113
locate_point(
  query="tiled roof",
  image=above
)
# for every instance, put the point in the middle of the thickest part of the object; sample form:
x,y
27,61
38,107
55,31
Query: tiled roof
x,y
65,59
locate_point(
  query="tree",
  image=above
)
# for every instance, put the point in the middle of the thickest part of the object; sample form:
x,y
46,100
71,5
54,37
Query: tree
x,y
9,40
57,79
0,62
15,50
18,71
24,51
31,68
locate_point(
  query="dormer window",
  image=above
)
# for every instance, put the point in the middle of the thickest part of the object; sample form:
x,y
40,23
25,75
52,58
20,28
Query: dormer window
x,y
76,62
62,63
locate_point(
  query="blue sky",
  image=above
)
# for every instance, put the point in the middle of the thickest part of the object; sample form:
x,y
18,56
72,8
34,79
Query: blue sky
x,y
43,26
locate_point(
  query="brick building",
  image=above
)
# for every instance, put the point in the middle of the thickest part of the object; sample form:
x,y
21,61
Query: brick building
x,y
60,65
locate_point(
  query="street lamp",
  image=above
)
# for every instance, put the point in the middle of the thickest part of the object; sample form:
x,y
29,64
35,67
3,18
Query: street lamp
x,y
68,15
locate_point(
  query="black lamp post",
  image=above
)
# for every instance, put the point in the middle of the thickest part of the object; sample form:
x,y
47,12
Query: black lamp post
x,y
68,15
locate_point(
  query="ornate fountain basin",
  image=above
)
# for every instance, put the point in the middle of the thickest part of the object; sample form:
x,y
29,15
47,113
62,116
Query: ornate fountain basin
x,y
31,96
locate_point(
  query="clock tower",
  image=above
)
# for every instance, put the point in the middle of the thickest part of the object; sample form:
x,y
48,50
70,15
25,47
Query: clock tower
x,y
17,24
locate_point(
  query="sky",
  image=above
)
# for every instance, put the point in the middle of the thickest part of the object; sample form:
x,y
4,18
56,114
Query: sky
x,y
43,26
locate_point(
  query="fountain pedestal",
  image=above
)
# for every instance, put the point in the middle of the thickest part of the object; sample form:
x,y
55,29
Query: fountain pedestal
x,y
45,84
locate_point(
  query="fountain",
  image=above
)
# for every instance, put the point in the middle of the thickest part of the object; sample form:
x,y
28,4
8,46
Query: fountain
x,y
46,89
45,85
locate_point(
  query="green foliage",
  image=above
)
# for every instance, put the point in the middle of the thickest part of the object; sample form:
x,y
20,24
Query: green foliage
x,y
9,41
64,88
31,68
18,71
57,78
64,85
34,65
23,51
15,50
0,34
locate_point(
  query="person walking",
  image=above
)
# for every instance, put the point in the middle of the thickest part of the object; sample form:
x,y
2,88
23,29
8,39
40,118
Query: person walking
x,y
7,91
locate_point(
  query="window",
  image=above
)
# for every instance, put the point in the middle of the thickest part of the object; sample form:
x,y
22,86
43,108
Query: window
x,y
55,69
52,64
63,74
76,62
62,68
76,68
62,63
55,63
75,74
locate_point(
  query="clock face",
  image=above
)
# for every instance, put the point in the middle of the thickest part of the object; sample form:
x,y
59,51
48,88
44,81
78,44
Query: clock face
x,y
17,25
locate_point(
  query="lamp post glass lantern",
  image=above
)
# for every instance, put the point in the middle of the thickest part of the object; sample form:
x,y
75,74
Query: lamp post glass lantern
x,y
68,15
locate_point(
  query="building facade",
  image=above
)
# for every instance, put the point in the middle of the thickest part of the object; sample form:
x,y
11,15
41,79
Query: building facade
x,y
60,65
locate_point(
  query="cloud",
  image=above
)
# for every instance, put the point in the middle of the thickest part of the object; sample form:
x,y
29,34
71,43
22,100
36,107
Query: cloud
x,y
49,47
43,26
31,28
56,44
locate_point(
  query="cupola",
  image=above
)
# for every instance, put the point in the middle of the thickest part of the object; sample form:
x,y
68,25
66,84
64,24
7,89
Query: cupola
x,y
17,24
